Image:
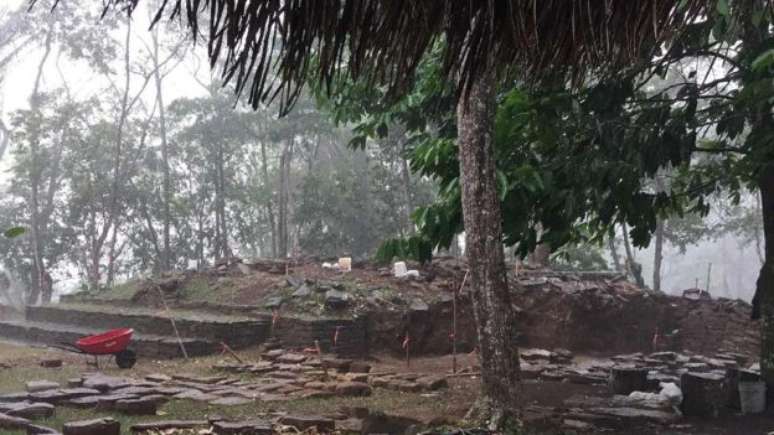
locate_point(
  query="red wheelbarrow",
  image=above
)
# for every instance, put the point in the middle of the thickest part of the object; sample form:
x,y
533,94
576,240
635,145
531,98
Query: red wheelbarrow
x,y
114,342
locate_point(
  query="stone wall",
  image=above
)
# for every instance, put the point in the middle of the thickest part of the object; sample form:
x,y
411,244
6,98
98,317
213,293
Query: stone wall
x,y
147,347
235,333
590,314
297,333
8,312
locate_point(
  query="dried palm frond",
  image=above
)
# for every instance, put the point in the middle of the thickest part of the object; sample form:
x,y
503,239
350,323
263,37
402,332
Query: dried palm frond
x,y
384,40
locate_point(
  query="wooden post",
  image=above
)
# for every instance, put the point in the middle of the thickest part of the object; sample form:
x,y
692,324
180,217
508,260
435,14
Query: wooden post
x,y
407,347
229,351
172,320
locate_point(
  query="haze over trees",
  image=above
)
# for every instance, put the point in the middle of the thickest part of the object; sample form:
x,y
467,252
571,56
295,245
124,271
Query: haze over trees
x,y
122,179
486,118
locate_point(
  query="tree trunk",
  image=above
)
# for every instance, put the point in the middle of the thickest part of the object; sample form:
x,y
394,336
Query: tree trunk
x,y
406,175
613,250
221,202
539,257
763,302
658,255
754,42
270,202
482,217
282,226
35,178
166,257
633,268
5,138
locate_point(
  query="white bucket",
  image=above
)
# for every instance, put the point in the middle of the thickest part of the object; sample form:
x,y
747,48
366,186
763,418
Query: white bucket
x,y
399,269
752,396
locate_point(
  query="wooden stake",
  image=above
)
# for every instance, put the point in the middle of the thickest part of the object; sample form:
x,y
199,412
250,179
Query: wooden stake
x,y
172,320
407,346
228,350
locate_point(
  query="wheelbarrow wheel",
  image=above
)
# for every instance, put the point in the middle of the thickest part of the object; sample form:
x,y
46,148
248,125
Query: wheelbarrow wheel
x,y
126,359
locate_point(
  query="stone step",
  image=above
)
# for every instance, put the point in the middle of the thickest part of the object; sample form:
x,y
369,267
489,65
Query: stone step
x,y
237,332
146,345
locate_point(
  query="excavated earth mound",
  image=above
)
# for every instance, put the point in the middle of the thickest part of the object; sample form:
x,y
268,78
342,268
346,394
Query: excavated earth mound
x,y
592,312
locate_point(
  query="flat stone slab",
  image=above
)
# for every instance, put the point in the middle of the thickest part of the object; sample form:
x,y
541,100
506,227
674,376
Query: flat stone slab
x,y
61,395
253,427
230,401
196,395
99,426
51,363
199,379
167,425
28,410
291,358
105,383
637,414
139,391
14,397
140,406
103,401
75,382
36,386
158,377
304,422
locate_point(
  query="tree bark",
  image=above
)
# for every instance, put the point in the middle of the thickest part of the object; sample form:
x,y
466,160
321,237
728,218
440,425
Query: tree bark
x,y
270,202
482,216
763,301
613,250
658,255
754,39
221,202
632,267
35,177
282,226
406,175
166,257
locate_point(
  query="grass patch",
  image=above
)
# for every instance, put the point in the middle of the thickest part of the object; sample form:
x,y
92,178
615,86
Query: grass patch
x,y
384,400
177,313
198,289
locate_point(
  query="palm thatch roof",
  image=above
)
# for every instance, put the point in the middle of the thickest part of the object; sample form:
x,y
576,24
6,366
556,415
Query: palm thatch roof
x,y
384,40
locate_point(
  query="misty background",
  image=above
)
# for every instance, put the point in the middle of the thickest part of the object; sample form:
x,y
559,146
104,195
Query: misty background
x,y
93,111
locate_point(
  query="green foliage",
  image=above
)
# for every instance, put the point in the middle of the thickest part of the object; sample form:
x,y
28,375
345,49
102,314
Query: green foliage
x,y
575,162
415,247
14,232
579,257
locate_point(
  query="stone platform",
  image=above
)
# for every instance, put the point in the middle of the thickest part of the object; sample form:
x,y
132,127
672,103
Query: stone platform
x,y
236,331
154,336
146,345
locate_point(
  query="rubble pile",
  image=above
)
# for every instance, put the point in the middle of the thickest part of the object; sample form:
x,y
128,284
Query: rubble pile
x,y
656,388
